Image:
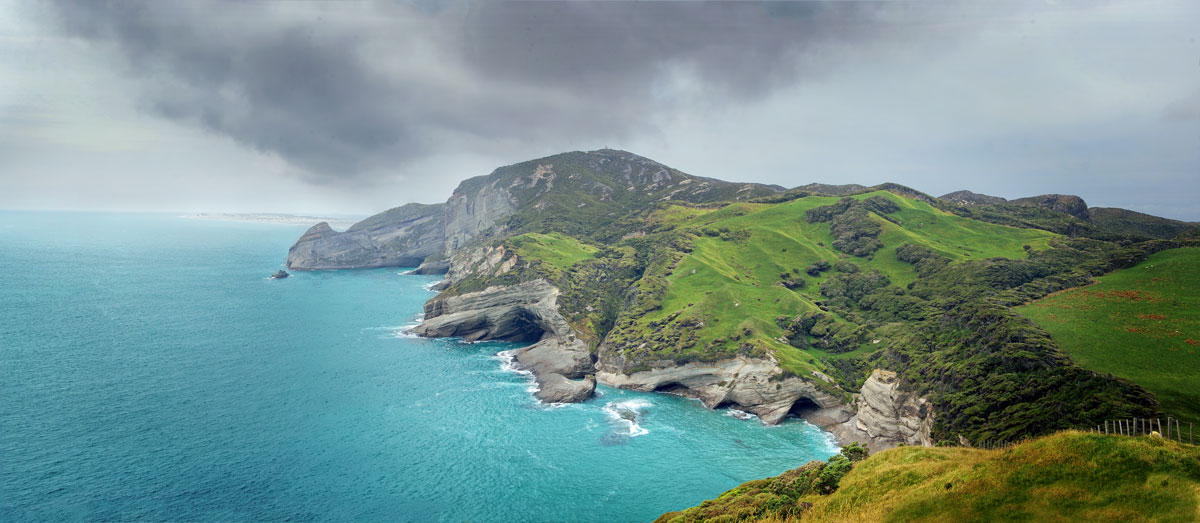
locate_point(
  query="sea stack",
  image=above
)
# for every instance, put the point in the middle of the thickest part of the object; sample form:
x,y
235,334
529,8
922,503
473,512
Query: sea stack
x,y
280,274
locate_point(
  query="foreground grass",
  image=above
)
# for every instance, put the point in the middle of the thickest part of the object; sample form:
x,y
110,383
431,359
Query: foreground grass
x,y
1141,323
1069,476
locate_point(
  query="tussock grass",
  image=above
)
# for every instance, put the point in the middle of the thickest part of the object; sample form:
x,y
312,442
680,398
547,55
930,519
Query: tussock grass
x,y
1068,476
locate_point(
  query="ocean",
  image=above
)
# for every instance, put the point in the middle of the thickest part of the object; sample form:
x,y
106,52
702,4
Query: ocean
x,y
150,370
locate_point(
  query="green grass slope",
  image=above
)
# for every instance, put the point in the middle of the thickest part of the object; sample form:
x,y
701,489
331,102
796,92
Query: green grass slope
x,y
1141,323
1067,476
729,285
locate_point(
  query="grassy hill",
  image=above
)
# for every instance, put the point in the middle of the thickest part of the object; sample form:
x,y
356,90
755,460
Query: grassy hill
x,y
1068,476
749,264
1141,323
840,286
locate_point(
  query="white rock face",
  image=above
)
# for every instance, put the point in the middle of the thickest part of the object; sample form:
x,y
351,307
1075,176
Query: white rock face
x,y
522,312
472,211
890,415
749,384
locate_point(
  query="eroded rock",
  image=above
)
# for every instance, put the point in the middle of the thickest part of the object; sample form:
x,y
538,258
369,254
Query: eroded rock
x,y
750,384
892,416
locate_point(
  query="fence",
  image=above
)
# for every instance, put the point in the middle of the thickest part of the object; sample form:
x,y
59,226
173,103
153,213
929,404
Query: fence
x,y
1181,431
1174,429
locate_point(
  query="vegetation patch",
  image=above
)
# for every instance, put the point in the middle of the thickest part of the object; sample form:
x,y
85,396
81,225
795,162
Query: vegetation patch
x,y
554,249
1136,323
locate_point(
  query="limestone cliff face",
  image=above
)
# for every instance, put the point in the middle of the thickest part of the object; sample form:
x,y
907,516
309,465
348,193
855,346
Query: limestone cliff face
x,y
561,363
476,207
522,312
890,415
400,237
750,384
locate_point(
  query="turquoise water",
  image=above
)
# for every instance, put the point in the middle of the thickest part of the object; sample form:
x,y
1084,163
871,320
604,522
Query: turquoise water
x,y
150,371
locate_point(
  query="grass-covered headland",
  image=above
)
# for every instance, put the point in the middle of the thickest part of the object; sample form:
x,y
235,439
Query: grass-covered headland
x,y
1068,476
883,277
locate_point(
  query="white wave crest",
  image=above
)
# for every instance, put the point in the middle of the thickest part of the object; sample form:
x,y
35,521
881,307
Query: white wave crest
x,y
429,286
508,363
628,413
740,414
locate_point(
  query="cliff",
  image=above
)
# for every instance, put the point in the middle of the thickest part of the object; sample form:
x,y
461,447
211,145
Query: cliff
x,y
400,237
560,363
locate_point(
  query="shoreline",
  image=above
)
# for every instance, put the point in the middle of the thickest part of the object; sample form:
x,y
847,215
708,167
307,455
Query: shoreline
x,y
836,430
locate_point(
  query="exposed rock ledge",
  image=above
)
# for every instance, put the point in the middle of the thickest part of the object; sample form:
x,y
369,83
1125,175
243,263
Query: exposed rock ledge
x,y
887,416
749,384
558,364
523,312
886,411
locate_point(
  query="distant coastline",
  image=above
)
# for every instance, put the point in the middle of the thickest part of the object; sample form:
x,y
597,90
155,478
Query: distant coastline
x,y
337,222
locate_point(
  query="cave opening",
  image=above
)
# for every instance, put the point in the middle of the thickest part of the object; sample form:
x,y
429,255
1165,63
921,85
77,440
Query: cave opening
x,y
802,407
671,387
523,327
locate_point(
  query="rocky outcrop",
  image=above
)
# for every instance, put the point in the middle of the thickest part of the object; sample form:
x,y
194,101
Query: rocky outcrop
x,y
280,274
750,384
435,264
889,416
400,237
1064,203
554,388
565,355
522,312
972,198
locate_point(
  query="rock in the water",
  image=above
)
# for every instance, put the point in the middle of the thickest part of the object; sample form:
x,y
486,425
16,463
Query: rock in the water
x,y
280,274
554,388
554,355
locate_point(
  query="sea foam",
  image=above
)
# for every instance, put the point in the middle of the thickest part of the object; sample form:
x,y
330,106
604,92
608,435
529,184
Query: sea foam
x,y
628,413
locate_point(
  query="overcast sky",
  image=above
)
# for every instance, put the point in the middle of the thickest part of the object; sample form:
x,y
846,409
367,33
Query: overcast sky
x,y
336,107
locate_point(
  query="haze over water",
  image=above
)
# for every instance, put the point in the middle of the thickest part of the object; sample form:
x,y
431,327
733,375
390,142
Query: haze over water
x,y
149,370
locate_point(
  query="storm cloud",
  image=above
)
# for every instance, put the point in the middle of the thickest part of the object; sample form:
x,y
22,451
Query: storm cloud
x,y
344,91
359,106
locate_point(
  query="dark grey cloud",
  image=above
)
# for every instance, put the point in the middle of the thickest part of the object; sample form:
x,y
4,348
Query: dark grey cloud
x,y
345,91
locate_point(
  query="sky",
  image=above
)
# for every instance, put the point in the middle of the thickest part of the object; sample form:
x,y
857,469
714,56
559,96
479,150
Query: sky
x,y
355,107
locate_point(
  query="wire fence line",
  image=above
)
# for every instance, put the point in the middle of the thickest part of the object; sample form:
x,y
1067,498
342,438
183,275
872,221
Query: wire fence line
x,y
1169,428
1176,429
